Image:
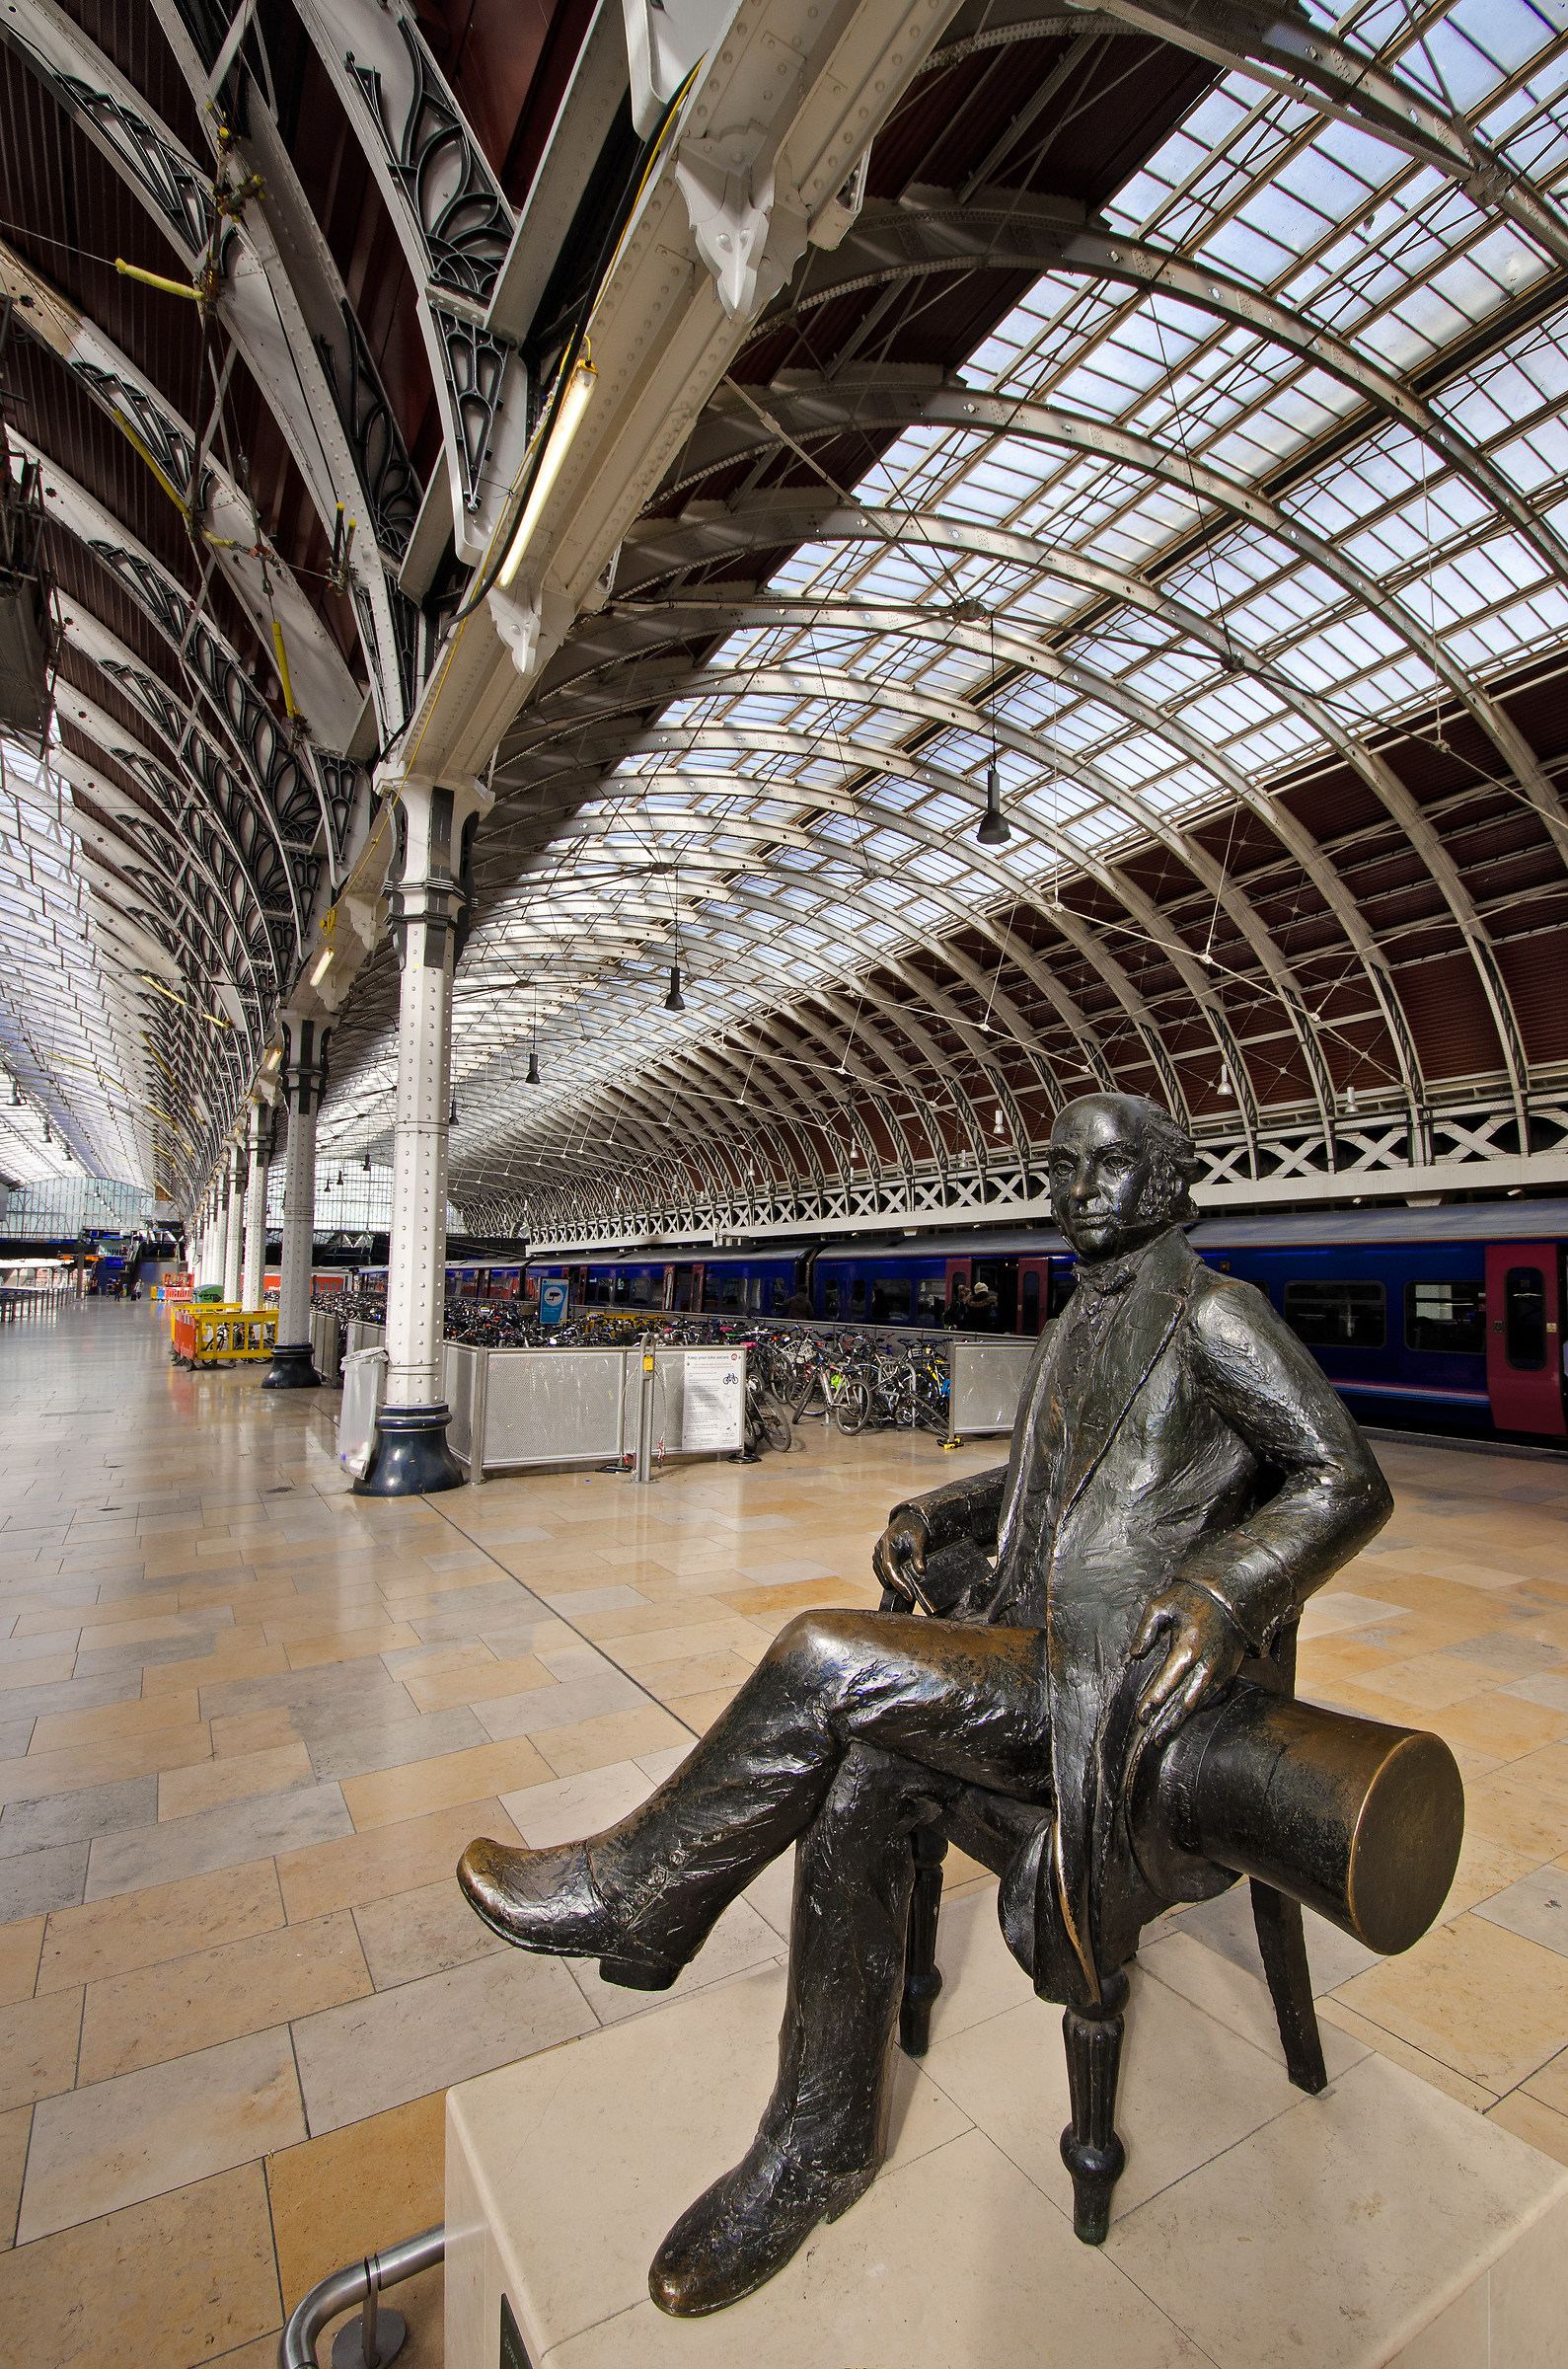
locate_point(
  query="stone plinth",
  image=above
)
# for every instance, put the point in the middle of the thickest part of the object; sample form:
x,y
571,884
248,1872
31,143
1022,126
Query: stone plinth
x,y
1379,2224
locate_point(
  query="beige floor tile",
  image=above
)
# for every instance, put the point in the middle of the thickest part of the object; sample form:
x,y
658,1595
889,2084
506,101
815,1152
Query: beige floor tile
x,y
614,1736
1551,2083
399,2044
234,1778
1509,1809
1539,2126
220,1994
107,1937
16,2126
35,1673
732,1636
20,1945
1473,2093
123,2141
484,1770
476,1682
1498,1725
701,1711
424,1932
1475,1996
150,1608
349,1645
389,1858
54,1730
75,1768
705,1674
335,2199
186,2277
242,1732
211,1670
39,2039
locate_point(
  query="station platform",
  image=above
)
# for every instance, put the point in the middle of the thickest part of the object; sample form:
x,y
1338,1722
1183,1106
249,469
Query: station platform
x,y
247,1723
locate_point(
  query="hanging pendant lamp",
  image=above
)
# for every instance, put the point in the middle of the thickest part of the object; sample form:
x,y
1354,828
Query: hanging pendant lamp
x,y
534,1078
995,829
451,1117
675,1001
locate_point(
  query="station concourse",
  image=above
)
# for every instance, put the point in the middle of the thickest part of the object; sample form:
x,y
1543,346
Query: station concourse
x,y
635,642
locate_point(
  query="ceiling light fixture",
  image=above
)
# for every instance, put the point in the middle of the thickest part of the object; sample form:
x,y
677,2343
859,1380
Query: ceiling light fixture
x,y
451,1117
323,966
675,1001
573,405
993,828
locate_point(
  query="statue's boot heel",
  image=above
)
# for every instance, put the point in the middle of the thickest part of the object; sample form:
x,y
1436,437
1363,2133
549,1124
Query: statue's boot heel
x,y
638,1974
849,2190
548,1900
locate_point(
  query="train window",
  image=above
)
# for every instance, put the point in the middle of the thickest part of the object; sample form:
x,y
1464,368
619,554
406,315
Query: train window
x,y
857,1296
642,1291
830,1296
890,1300
1338,1316
754,1295
932,1299
732,1293
1525,1318
1445,1316
1031,1324
1064,1282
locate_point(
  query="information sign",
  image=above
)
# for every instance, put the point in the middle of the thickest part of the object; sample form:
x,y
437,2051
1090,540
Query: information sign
x,y
714,1400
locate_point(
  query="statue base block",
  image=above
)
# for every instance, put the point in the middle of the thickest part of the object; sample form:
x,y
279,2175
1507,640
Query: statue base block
x,y
1380,2226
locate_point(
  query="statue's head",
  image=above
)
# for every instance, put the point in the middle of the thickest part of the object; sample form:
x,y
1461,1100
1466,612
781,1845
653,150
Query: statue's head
x,y
1121,1171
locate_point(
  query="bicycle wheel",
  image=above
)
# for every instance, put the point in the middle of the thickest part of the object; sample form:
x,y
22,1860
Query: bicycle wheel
x,y
775,1427
853,1408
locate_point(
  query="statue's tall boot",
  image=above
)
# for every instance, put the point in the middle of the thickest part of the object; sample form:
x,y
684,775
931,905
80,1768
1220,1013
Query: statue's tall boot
x,y
824,2134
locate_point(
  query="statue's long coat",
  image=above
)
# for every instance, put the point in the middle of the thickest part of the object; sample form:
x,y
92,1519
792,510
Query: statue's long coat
x,y
1186,1435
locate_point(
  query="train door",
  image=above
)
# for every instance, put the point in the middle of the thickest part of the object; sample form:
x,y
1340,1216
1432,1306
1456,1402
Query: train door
x,y
1524,1338
696,1272
1001,1276
1035,1291
668,1301
957,1272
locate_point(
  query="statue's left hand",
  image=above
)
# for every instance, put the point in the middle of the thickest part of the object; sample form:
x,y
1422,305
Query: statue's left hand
x,y
1205,1651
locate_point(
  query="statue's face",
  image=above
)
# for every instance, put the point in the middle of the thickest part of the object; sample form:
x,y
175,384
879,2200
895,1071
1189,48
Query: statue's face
x,y
1100,1165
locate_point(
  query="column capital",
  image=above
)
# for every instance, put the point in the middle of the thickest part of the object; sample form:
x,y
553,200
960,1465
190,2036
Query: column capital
x,y
303,1076
430,874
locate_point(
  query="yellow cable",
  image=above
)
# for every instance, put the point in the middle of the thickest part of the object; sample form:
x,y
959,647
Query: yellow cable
x,y
155,279
282,670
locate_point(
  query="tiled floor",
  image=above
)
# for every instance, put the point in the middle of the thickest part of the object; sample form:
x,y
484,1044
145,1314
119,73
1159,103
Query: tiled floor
x,y
247,1723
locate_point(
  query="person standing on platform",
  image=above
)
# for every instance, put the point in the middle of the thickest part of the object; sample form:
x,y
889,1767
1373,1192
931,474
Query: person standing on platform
x,y
982,1312
956,1313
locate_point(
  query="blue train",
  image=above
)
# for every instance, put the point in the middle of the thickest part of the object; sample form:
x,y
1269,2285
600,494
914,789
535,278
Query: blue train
x,y
1449,1317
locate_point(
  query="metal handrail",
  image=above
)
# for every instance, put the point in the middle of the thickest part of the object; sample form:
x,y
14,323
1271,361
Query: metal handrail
x,y
361,2283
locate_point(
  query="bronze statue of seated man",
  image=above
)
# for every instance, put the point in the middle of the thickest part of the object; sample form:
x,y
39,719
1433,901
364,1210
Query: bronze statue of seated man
x,y
1181,1478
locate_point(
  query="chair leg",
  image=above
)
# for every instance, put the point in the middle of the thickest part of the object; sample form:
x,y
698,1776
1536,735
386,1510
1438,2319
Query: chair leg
x,y
1091,2149
1289,1979
922,1976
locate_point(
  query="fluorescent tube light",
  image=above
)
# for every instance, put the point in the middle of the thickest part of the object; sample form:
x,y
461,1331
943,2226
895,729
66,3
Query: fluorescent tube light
x,y
574,404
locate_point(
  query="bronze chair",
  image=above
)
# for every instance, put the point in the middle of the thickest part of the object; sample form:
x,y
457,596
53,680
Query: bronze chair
x,y
1359,1820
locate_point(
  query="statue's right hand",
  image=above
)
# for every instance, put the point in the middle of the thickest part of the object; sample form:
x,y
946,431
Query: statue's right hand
x,y
900,1553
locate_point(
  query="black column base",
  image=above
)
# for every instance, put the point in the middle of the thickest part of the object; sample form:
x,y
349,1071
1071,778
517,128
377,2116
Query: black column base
x,y
291,1367
411,1457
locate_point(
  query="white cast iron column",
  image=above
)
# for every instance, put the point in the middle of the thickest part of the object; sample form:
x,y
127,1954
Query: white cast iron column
x,y
429,889
234,1256
220,1229
304,1078
253,1287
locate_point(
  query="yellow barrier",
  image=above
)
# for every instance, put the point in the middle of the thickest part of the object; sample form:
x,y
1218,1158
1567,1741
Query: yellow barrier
x,y
221,1336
